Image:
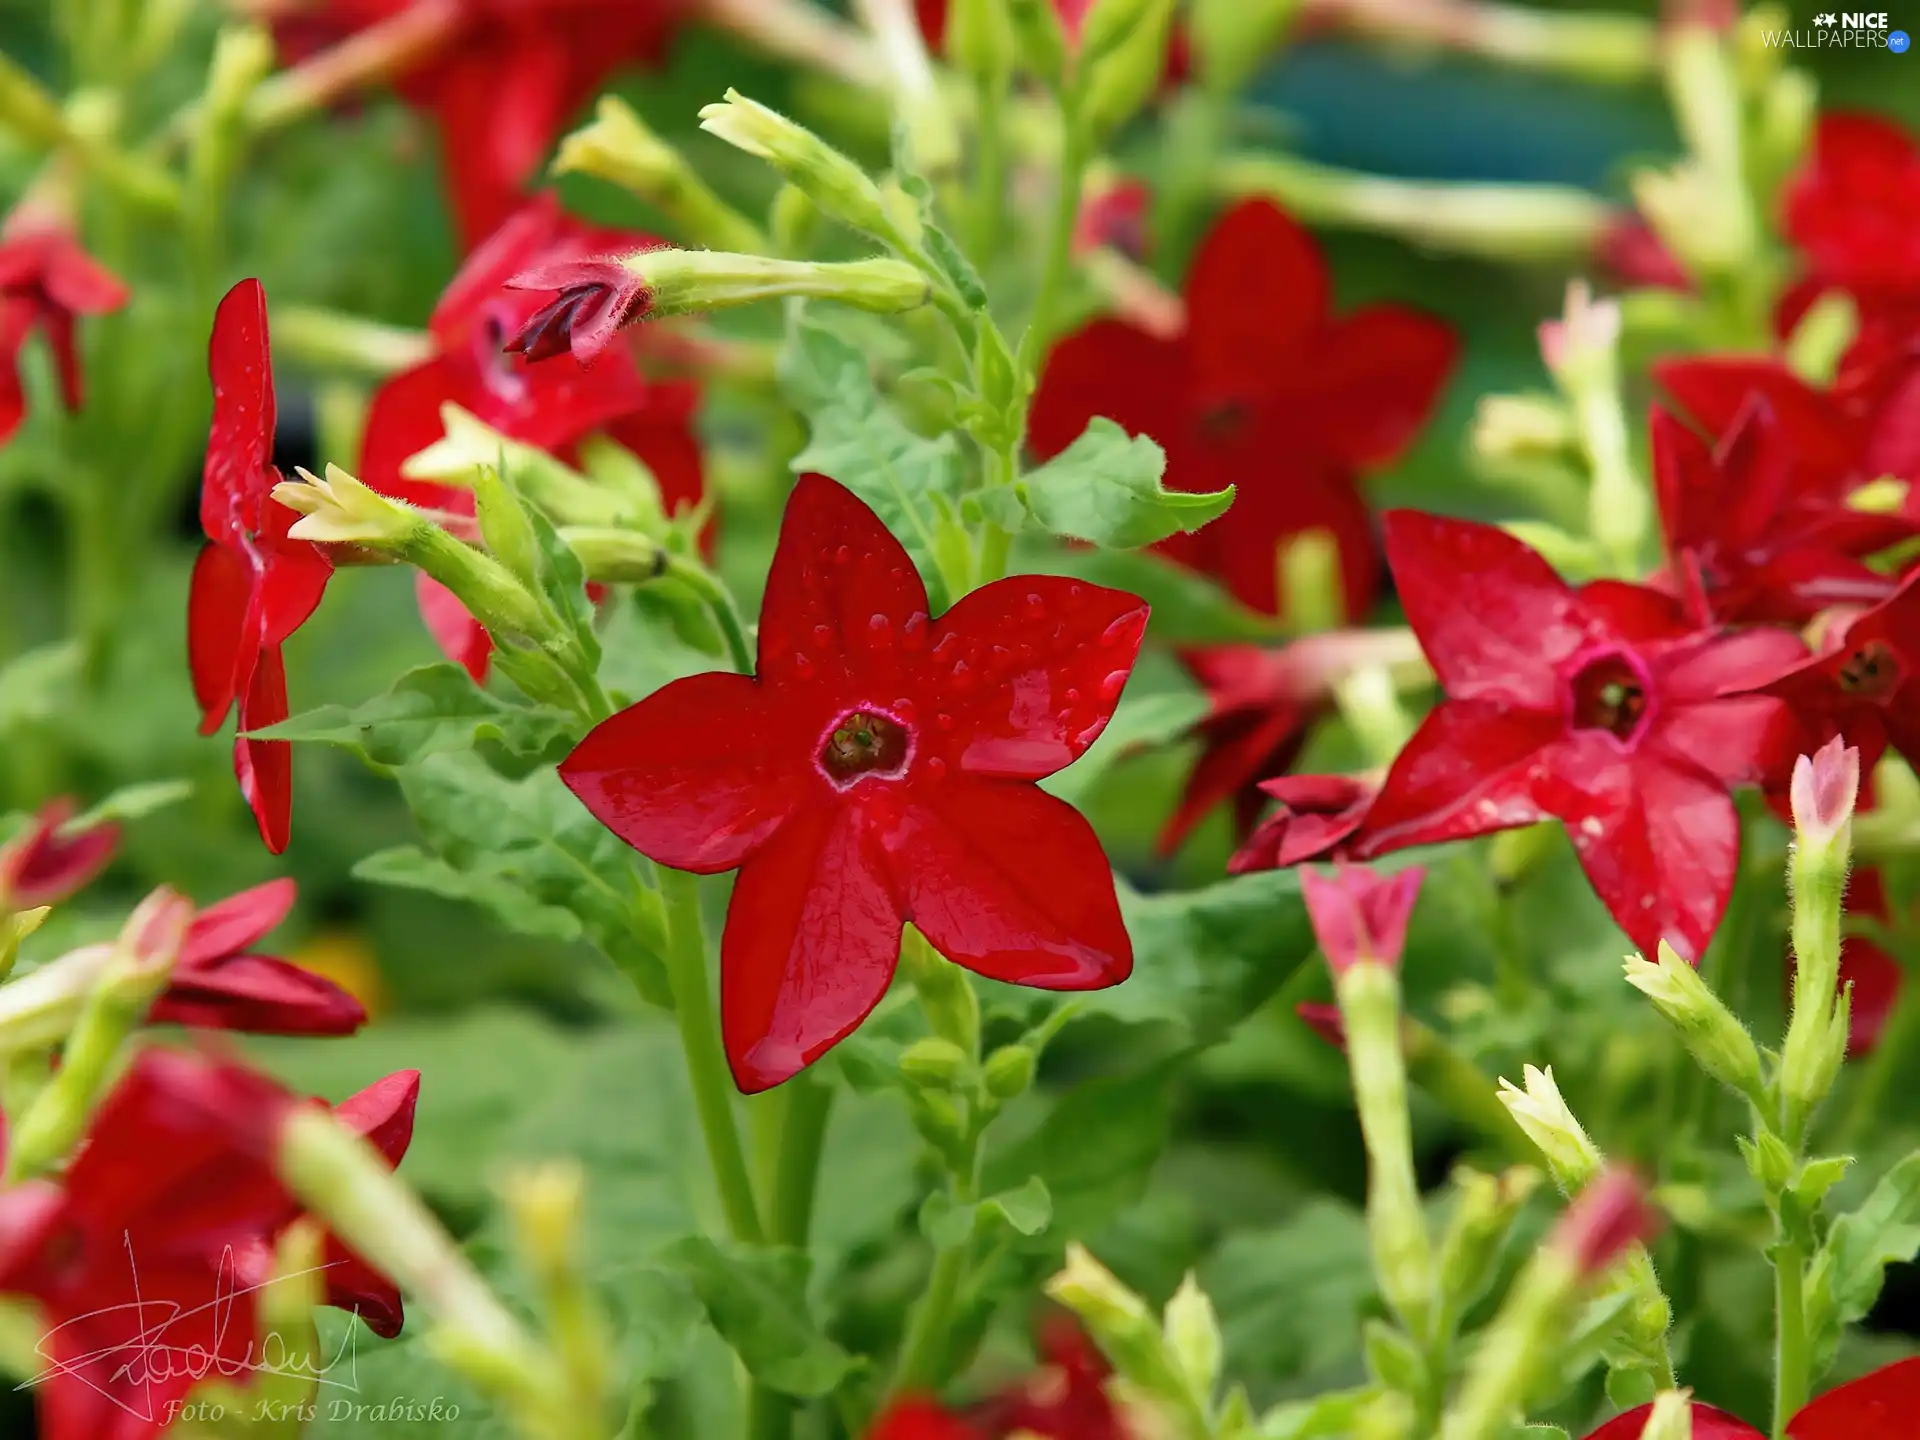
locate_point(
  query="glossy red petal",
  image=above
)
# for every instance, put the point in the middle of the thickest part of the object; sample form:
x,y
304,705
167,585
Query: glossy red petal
x,y
1658,838
265,767
217,600
1049,658
238,922
520,240
461,638
257,995
498,110
1469,770
356,1287
1880,1406
1491,615
1236,753
843,600
45,866
1114,369
1373,380
239,468
915,1418
403,419
1359,916
1010,882
1256,294
1281,495
80,285
699,774
812,938
295,577
1713,391
1316,816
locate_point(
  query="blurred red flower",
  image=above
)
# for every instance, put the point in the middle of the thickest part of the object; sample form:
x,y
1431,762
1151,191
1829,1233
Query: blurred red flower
x,y
553,405
1266,390
47,280
877,770
44,866
503,80
1605,707
1065,1399
154,1244
218,983
252,586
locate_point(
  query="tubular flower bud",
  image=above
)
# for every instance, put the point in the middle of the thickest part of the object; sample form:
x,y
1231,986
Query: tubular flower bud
x,y
1712,1032
1540,1110
833,181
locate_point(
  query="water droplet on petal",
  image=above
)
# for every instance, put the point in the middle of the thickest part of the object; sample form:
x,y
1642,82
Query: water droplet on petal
x,y
936,767
1111,687
823,635
948,643
914,633
843,554
880,631
962,675
1036,607
903,710
802,666
1072,696
942,721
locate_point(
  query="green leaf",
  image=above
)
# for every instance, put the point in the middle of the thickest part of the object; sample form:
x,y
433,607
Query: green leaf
x,y
33,685
431,710
940,246
1027,1209
861,441
524,849
1392,1359
757,1300
130,802
1093,1151
1325,1417
1290,1298
1845,1277
1105,488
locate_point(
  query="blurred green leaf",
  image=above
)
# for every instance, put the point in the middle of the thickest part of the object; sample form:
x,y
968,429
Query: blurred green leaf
x,y
429,711
1105,488
130,802
757,1300
33,685
1028,1208
1188,609
1141,722
1290,1298
1845,1277
530,852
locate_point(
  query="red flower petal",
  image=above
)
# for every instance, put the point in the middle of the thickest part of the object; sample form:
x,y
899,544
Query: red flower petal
x,y
217,600
1373,380
1010,882
812,938
1051,655
1257,292
383,1113
914,1418
259,995
1708,1424
238,922
843,599
461,638
698,775
1491,615
1359,916
1659,839
1880,1406
265,767
239,469
1317,813
44,867
1111,368
1467,771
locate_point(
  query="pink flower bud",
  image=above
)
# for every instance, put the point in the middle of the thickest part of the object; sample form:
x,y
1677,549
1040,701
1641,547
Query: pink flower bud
x,y
596,298
1825,786
1609,1215
44,866
1359,915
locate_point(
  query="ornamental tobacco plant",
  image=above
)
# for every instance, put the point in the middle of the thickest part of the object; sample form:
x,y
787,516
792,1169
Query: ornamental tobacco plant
x,y
828,559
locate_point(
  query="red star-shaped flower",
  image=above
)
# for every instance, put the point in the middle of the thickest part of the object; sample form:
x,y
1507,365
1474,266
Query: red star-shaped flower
x,y
252,586
47,280
1865,682
553,405
502,80
1854,209
1265,390
1879,1406
1604,707
1065,1399
878,769
1760,512
154,1245
1315,817
219,983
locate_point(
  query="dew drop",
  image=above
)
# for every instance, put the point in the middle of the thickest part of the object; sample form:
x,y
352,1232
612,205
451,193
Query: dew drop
x,y
914,633
999,657
936,767
948,643
903,710
880,628
1075,591
843,554
802,666
942,721
1111,687
1072,696
1036,607
823,635
962,675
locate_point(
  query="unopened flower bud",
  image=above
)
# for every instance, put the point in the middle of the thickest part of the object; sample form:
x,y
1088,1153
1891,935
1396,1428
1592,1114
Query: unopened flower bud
x,y
611,555
1360,917
1541,1111
1470,1249
1192,1332
1125,1329
339,510
1712,1032
1707,226
505,527
1522,427
947,996
1308,581
1009,1071
1671,1417
1233,38
1121,78
49,862
1584,335
833,181
1040,38
619,147
546,1203
937,1119
26,108
794,219
1825,787
979,38
1605,1219
597,297
931,1060
1769,1161
1108,24
1782,131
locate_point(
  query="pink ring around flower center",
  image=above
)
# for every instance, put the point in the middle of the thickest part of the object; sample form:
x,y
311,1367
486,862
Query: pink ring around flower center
x,y
1609,690
866,740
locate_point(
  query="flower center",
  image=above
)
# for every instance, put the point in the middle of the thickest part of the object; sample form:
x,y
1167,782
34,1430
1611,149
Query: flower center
x,y
1871,671
499,372
1609,693
865,743
1225,421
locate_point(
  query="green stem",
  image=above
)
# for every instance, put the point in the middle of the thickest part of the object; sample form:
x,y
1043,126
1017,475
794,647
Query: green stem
x,y
990,179
704,583
796,1172
706,1061
1053,278
923,1353
1792,1373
